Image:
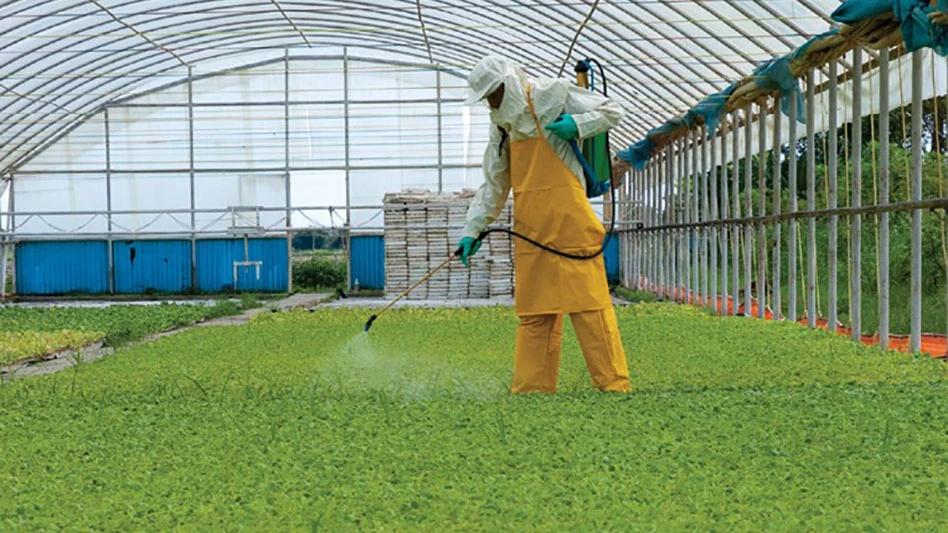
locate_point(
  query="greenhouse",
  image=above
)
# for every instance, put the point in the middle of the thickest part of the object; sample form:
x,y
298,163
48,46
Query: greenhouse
x,y
277,265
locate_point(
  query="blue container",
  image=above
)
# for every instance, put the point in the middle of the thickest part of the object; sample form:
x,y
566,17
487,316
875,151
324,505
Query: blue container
x,y
367,261
216,268
152,266
62,267
611,256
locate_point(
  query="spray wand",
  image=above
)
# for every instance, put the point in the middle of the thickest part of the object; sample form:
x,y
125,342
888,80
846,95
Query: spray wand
x,y
432,272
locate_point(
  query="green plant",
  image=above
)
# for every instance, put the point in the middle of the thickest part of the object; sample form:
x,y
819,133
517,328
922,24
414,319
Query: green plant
x,y
298,419
33,332
319,273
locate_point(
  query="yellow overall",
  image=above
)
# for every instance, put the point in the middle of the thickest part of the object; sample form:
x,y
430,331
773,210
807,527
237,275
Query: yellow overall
x,y
550,207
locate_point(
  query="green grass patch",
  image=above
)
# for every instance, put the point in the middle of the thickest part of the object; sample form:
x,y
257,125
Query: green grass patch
x,y
35,331
16,345
297,422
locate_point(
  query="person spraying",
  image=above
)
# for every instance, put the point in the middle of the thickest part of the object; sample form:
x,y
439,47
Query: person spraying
x,y
528,151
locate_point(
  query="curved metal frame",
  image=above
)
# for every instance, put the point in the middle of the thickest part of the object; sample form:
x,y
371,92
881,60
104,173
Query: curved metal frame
x,y
450,34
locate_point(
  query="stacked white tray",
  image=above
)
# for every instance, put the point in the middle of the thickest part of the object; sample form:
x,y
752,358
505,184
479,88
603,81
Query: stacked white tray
x,y
422,229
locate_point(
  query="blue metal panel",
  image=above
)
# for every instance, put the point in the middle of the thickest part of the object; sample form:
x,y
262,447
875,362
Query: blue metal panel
x,y
611,255
62,267
215,265
146,266
367,261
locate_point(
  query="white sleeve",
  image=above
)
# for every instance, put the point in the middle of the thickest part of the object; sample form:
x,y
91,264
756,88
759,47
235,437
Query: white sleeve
x,y
492,194
593,112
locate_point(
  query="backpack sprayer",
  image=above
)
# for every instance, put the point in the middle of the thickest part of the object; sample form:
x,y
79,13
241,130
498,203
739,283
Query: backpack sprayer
x,y
597,176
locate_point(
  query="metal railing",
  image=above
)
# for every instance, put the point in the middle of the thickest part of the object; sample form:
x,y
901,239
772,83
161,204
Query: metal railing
x,y
706,242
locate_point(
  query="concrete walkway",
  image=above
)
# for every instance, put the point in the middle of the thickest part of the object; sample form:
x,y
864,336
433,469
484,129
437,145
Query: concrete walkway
x,y
67,358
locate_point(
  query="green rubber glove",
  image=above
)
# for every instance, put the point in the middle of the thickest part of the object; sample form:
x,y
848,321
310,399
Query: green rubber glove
x,y
468,246
565,127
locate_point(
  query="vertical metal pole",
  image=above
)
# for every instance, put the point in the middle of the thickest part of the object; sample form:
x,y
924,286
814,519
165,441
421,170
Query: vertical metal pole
x,y
736,209
748,206
713,213
792,241
12,227
657,236
345,96
915,337
3,245
624,248
628,249
649,222
725,200
695,217
286,169
640,237
660,210
832,171
632,238
680,279
777,199
646,222
108,200
882,256
686,214
855,269
811,198
705,214
191,178
761,209
670,219
441,136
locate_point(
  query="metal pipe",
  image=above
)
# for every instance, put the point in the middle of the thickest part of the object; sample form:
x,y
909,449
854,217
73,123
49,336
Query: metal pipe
x,y
705,215
735,229
762,209
440,132
695,217
915,336
672,245
640,239
686,218
748,207
108,202
663,238
656,221
811,200
681,279
345,96
777,200
792,241
287,185
832,172
713,212
882,256
193,269
931,203
725,199
855,267
670,236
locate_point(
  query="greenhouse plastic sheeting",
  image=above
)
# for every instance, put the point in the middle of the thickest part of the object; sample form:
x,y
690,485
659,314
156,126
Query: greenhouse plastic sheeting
x,y
63,60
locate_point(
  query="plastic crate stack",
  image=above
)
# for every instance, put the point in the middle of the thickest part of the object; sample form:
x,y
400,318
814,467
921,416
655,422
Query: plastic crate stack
x,y
422,228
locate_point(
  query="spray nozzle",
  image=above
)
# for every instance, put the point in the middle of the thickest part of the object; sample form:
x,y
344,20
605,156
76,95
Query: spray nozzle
x,y
368,324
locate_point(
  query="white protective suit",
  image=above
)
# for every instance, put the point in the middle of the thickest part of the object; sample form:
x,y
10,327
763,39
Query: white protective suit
x,y
593,113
